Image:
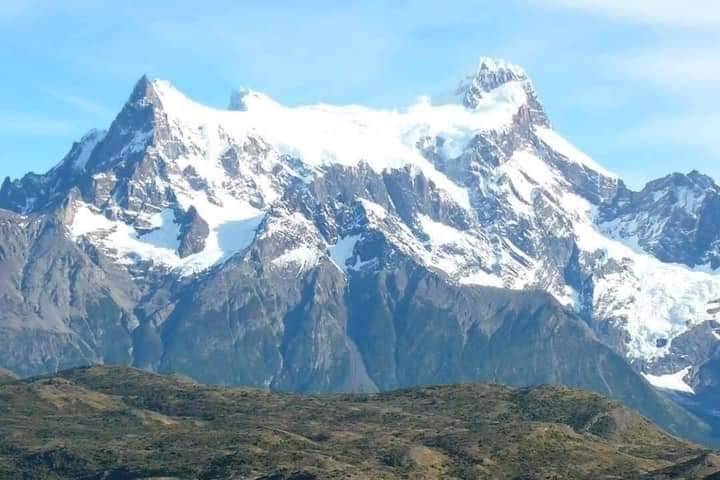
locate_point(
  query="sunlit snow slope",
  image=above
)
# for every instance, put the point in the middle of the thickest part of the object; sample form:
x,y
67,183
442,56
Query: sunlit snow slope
x,y
180,187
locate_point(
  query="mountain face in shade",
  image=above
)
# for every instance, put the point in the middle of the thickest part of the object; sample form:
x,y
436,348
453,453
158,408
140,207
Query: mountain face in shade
x,y
675,218
326,248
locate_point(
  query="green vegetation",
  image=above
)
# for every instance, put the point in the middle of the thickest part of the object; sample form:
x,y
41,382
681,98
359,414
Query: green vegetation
x,y
121,423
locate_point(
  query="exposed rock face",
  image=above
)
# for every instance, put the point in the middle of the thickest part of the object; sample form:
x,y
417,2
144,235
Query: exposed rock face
x,y
343,249
35,192
59,307
675,218
193,233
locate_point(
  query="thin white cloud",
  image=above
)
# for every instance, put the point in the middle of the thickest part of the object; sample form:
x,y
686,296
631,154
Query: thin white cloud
x,y
672,74
600,97
81,103
686,13
13,10
684,77
10,9
24,124
680,70
690,130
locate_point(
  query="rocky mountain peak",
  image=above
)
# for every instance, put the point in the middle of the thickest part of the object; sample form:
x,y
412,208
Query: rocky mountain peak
x,y
143,91
146,105
675,179
489,75
497,80
493,72
694,179
686,190
141,121
6,184
37,191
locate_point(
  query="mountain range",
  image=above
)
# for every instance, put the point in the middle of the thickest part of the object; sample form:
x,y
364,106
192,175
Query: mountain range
x,y
332,248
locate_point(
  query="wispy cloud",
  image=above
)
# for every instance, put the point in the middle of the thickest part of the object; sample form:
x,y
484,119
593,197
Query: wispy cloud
x,y
678,142
599,97
360,49
687,13
694,130
681,70
24,124
13,10
81,103
674,69
10,9
678,53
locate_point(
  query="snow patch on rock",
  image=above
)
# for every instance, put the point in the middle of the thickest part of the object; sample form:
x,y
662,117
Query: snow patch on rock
x,y
674,381
652,300
302,257
343,250
159,247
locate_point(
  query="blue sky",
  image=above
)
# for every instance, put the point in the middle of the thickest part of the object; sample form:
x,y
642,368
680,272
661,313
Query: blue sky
x,y
635,83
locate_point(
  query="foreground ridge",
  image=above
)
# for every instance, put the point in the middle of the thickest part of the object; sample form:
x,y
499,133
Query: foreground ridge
x,y
124,423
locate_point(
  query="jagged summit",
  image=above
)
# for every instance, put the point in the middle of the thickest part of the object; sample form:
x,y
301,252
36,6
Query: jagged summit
x,y
161,93
499,68
489,75
143,91
151,93
497,79
693,179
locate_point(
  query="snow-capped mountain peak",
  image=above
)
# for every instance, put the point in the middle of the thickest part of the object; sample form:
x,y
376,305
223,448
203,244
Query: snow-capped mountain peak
x,y
143,91
263,212
498,80
485,192
490,73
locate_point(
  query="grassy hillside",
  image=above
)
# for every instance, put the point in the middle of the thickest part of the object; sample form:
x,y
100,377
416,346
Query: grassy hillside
x,y
119,423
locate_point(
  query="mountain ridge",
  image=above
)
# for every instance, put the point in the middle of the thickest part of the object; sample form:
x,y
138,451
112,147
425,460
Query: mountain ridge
x,y
331,245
